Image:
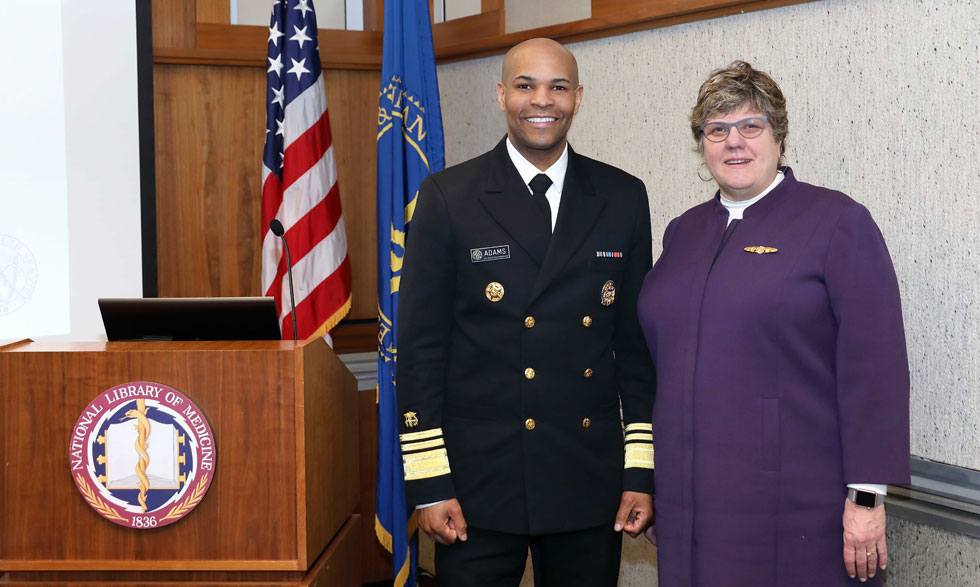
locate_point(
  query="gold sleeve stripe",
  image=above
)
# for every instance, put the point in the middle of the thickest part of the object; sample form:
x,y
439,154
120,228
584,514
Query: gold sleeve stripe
x,y
421,456
410,446
639,456
647,436
639,428
420,435
424,465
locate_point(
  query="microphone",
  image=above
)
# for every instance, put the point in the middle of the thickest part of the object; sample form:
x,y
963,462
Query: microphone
x,y
279,231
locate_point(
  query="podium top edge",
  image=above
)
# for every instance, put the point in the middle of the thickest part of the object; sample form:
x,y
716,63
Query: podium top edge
x,y
197,345
10,343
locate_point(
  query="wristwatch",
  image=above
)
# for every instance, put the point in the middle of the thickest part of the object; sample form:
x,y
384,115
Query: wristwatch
x,y
865,498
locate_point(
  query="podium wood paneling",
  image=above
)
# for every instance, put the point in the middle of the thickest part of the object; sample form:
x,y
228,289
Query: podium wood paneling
x,y
336,567
330,443
286,456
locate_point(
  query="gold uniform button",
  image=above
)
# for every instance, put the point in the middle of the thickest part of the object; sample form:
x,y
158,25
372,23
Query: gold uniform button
x,y
529,322
587,321
529,423
586,423
494,291
587,374
529,373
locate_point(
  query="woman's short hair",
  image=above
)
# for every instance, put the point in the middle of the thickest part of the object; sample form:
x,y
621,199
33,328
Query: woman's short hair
x,y
729,88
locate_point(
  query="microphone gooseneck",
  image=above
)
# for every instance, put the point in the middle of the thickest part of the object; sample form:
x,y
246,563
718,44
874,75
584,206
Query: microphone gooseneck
x,y
276,227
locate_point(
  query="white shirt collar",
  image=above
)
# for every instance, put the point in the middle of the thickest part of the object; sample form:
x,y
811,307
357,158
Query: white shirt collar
x,y
527,170
737,209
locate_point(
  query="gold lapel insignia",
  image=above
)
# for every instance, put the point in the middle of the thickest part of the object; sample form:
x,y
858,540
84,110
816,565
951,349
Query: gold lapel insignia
x,y
608,294
495,291
411,420
760,250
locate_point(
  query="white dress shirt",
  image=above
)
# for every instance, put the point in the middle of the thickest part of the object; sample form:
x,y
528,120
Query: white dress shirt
x,y
556,173
735,209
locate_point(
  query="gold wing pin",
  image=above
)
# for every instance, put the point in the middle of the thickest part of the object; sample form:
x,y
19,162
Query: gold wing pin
x,y
760,250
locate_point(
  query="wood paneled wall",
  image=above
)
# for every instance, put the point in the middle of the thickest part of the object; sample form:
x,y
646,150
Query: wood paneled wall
x,y
210,127
209,124
485,33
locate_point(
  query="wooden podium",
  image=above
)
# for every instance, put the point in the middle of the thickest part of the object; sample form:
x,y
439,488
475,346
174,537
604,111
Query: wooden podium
x,y
280,508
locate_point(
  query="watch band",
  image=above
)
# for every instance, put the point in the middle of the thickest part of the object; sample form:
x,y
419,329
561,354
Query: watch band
x,y
865,498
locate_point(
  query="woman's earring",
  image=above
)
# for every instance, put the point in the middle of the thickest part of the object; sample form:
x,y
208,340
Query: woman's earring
x,y
709,178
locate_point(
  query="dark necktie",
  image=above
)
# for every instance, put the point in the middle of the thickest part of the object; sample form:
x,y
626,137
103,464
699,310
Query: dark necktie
x,y
539,185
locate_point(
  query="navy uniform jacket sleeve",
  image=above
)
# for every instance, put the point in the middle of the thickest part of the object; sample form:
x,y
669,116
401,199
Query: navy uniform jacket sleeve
x,y
634,367
425,318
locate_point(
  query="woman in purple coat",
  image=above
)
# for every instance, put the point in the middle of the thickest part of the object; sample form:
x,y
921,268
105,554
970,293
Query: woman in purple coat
x,y
774,320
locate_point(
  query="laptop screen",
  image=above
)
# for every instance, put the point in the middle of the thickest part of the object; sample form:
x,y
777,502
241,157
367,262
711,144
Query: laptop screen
x,y
190,318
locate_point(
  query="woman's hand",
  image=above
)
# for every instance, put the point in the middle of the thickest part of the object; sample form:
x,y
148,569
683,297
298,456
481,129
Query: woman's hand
x,y
864,540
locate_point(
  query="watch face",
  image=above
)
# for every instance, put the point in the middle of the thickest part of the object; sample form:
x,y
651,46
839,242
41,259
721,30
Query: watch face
x,y
866,498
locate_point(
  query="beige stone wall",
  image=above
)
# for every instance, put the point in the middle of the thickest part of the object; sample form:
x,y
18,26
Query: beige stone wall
x,y
330,14
523,15
882,98
455,9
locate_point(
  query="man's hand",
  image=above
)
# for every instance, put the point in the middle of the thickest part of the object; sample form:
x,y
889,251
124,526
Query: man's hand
x,y
635,513
864,540
444,522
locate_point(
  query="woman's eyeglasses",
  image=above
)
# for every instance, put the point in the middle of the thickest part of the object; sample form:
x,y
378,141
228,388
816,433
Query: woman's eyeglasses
x,y
749,128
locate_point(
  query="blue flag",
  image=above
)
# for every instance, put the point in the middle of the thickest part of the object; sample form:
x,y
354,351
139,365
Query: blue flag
x,y
410,147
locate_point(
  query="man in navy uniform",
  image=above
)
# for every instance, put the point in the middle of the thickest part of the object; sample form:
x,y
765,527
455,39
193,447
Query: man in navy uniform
x,y
521,362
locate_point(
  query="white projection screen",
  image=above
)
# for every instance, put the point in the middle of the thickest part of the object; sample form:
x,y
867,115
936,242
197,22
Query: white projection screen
x,y
70,197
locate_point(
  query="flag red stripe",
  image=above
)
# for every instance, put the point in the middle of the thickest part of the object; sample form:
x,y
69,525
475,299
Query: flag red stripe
x,y
315,225
306,150
307,233
329,296
271,200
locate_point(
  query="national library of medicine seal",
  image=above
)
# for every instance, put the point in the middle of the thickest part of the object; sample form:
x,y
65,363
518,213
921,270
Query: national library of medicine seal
x,y
142,454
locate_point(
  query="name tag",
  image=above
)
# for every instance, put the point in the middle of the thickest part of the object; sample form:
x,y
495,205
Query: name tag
x,y
490,254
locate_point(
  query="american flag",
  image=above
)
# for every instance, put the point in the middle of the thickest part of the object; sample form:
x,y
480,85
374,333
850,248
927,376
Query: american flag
x,y
299,180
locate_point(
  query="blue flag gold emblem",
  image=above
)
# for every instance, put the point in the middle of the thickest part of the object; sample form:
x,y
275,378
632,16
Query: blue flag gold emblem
x,y
410,147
